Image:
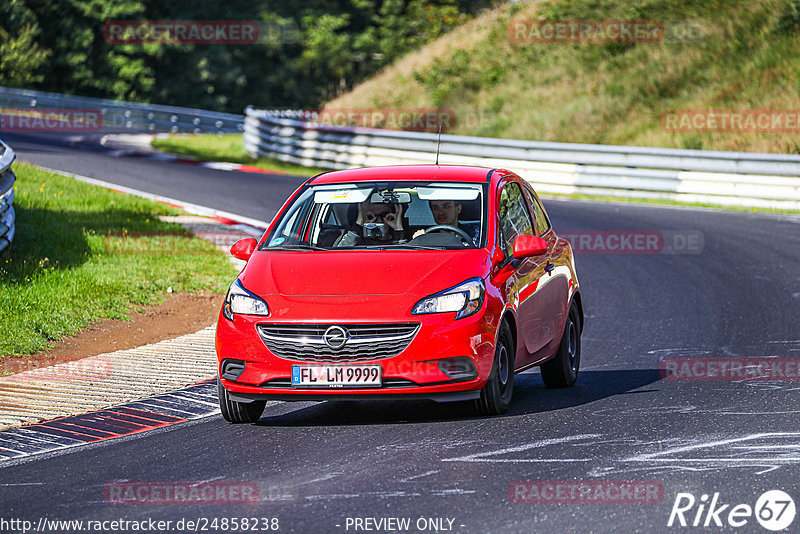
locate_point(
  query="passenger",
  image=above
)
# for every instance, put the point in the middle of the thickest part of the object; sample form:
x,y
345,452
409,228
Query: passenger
x,y
376,224
389,214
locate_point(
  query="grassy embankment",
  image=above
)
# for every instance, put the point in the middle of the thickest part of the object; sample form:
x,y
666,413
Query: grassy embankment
x,y
83,253
715,55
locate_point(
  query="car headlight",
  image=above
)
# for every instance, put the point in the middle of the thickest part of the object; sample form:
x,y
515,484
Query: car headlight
x,y
466,298
240,300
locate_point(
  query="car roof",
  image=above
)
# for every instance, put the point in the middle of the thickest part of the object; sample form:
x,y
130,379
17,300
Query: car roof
x,y
444,173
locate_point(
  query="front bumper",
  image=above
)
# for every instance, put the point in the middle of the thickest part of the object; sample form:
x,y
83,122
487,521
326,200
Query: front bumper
x,y
412,374
451,396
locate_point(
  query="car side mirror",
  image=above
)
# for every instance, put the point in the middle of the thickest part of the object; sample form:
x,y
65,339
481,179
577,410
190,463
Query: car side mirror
x,y
244,248
526,246
498,256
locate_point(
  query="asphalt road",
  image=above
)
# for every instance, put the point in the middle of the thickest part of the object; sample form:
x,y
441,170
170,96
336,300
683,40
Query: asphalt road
x,y
318,466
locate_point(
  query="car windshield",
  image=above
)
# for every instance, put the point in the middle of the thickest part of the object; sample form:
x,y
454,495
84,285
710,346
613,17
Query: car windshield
x,y
383,216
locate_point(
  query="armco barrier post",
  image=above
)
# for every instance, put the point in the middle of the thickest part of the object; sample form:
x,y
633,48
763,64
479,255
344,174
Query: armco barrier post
x,y
7,179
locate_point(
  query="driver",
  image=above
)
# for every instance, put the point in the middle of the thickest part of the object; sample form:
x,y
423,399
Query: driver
x,y
447,211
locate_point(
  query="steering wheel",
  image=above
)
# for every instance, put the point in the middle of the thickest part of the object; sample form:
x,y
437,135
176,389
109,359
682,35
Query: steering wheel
x,y
454,229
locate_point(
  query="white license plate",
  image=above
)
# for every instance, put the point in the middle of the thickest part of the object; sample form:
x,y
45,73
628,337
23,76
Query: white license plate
x,y
336,375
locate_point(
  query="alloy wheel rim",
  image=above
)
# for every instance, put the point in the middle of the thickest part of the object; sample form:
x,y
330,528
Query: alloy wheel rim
x,y
503,370
572,347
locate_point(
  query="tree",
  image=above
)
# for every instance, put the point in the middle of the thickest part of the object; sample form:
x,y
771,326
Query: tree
x,y
21,56
310,51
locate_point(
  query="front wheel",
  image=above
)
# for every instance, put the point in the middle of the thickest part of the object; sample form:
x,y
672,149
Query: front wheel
x,y
496,394
238,412
562,371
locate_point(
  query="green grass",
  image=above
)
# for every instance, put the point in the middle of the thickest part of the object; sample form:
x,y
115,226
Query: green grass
x,y
229,148
82,253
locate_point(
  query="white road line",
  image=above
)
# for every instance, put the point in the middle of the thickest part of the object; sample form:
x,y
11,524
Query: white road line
x,y
414,477
660,456
483,456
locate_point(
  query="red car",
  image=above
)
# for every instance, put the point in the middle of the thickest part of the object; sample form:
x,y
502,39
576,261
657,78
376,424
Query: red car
x,y
424,282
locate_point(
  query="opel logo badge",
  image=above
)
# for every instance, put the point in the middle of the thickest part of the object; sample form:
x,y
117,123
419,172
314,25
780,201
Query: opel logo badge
x,y
335,337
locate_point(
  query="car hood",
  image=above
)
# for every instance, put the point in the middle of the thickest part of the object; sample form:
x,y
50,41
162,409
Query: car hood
x,y
361,274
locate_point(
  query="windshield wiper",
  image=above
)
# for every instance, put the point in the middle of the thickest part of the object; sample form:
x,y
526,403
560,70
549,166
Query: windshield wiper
x,y
402,246
297,246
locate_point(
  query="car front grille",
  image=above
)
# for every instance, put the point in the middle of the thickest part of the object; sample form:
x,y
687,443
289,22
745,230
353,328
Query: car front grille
x,y
306,342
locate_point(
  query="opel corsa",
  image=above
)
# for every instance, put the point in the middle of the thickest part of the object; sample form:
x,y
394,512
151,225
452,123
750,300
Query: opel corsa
x,y
418,282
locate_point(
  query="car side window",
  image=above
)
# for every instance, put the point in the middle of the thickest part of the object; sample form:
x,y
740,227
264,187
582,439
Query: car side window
x,y
515,220
297,220
539,218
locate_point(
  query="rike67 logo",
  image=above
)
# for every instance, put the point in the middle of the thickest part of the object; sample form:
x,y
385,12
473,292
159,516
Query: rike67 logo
x,y
774,510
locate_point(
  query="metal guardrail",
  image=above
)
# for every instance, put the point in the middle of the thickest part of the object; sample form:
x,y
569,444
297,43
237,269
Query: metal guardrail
x,y
115,116
723,178
7,180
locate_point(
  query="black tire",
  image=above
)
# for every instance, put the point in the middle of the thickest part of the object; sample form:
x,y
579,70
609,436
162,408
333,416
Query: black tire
x,y
238,412
562,371
496,394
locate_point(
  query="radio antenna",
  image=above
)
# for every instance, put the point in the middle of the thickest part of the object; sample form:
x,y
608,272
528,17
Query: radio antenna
x,y
438,143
